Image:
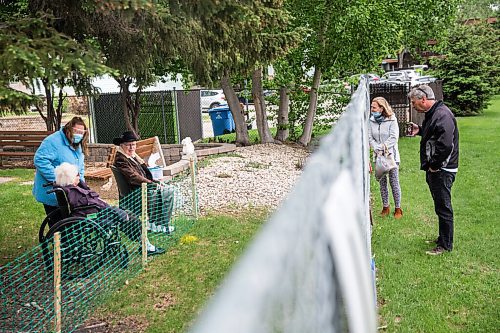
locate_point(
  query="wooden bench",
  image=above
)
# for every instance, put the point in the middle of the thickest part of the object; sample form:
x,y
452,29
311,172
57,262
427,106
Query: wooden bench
x,y
145,148
20,143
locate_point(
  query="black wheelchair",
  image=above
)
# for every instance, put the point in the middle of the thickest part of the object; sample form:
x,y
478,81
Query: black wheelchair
x,y
87,243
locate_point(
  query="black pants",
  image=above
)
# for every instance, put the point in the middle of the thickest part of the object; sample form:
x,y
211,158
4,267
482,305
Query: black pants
x,y
440,184
55,217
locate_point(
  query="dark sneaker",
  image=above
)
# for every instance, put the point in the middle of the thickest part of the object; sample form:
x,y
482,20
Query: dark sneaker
x,y
151,252
436,251
157,250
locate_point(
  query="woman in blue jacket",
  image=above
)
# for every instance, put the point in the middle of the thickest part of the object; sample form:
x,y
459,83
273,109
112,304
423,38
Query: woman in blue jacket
x,y
66,145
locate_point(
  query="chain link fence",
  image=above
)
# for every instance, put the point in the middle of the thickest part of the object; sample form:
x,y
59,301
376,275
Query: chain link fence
x,y
171,115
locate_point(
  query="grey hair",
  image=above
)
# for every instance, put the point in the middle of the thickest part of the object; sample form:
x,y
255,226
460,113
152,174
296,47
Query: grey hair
x,y
421,91
66,173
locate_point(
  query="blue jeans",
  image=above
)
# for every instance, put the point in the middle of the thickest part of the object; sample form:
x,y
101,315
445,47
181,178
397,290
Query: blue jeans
x,y
440,184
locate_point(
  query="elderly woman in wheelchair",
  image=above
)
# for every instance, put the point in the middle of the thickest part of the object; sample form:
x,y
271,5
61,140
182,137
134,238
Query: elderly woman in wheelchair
x,y
90,228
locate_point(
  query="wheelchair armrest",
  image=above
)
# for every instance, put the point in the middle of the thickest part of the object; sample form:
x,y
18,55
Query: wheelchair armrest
x,y
49,184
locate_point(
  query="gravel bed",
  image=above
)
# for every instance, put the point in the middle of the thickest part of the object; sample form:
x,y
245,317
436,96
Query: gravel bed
x,y
255,176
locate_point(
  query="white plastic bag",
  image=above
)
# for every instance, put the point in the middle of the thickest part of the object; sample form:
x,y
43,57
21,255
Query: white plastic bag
x,y
384,163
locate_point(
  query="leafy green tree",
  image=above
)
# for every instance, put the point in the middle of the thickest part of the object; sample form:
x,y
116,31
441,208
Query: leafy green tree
x,y
149,43
346,37
420,21
278,38
238,38
136,38
469,67
30,50
342,36
477,9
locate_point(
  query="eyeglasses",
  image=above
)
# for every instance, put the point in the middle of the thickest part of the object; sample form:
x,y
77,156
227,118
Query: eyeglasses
x,y
130,145
422,90
78,131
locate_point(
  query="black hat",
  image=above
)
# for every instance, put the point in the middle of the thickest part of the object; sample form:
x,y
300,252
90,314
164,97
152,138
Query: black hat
x,y
127,136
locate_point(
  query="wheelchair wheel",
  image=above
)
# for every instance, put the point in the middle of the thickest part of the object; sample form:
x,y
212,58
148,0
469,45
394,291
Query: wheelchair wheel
x,y
50,219
116,252
82,246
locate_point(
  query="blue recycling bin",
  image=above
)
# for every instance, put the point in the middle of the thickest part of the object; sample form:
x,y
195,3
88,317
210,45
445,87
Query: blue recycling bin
x,y
222,120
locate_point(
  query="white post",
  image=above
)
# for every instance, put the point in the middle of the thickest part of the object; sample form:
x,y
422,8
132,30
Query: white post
x,y
144,220
192,167
57,283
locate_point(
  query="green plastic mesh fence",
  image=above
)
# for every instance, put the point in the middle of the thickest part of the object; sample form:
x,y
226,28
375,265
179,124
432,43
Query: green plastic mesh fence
x,y
97,254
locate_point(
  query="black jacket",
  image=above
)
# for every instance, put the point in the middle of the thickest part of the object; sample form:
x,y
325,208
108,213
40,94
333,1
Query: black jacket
x,y
439,144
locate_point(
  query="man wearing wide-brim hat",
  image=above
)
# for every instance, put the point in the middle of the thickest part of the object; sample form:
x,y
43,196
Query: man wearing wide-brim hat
x,y
131,165
135,171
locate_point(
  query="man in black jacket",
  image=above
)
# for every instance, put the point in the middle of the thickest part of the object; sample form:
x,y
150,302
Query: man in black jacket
x,y
438,158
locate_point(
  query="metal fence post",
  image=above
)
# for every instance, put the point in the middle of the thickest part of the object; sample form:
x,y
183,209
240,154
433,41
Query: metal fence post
x,y
163,117
176,107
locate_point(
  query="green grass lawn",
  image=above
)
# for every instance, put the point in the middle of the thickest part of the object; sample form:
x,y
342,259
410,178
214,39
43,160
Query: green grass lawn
x,y
458,291
20,217
455,292
169,295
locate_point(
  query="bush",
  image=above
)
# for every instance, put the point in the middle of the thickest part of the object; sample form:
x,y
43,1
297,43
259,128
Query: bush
x,y
468,68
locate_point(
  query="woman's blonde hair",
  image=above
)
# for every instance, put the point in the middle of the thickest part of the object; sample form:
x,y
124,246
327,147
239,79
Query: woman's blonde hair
x,y
386,108
66,173
68,131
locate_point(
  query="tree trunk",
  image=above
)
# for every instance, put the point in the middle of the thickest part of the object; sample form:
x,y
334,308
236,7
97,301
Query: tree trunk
x,y
401,56
283,130
126,102
305,138
50,119
234,105
60,101
39,105
260,107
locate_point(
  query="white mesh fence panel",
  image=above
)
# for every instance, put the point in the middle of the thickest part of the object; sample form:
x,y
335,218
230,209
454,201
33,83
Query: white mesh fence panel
x,y
309,268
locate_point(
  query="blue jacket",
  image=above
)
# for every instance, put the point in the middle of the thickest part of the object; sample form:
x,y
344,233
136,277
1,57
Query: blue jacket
x,y
54,150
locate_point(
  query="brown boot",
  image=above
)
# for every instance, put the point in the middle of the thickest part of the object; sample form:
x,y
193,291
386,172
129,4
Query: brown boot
x,y
398,213
385,211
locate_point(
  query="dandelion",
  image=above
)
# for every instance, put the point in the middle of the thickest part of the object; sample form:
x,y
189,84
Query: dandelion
x,y
187,239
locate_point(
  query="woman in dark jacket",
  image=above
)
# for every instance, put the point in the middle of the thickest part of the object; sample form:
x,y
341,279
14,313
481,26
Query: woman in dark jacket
x,y
80,195
135,171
